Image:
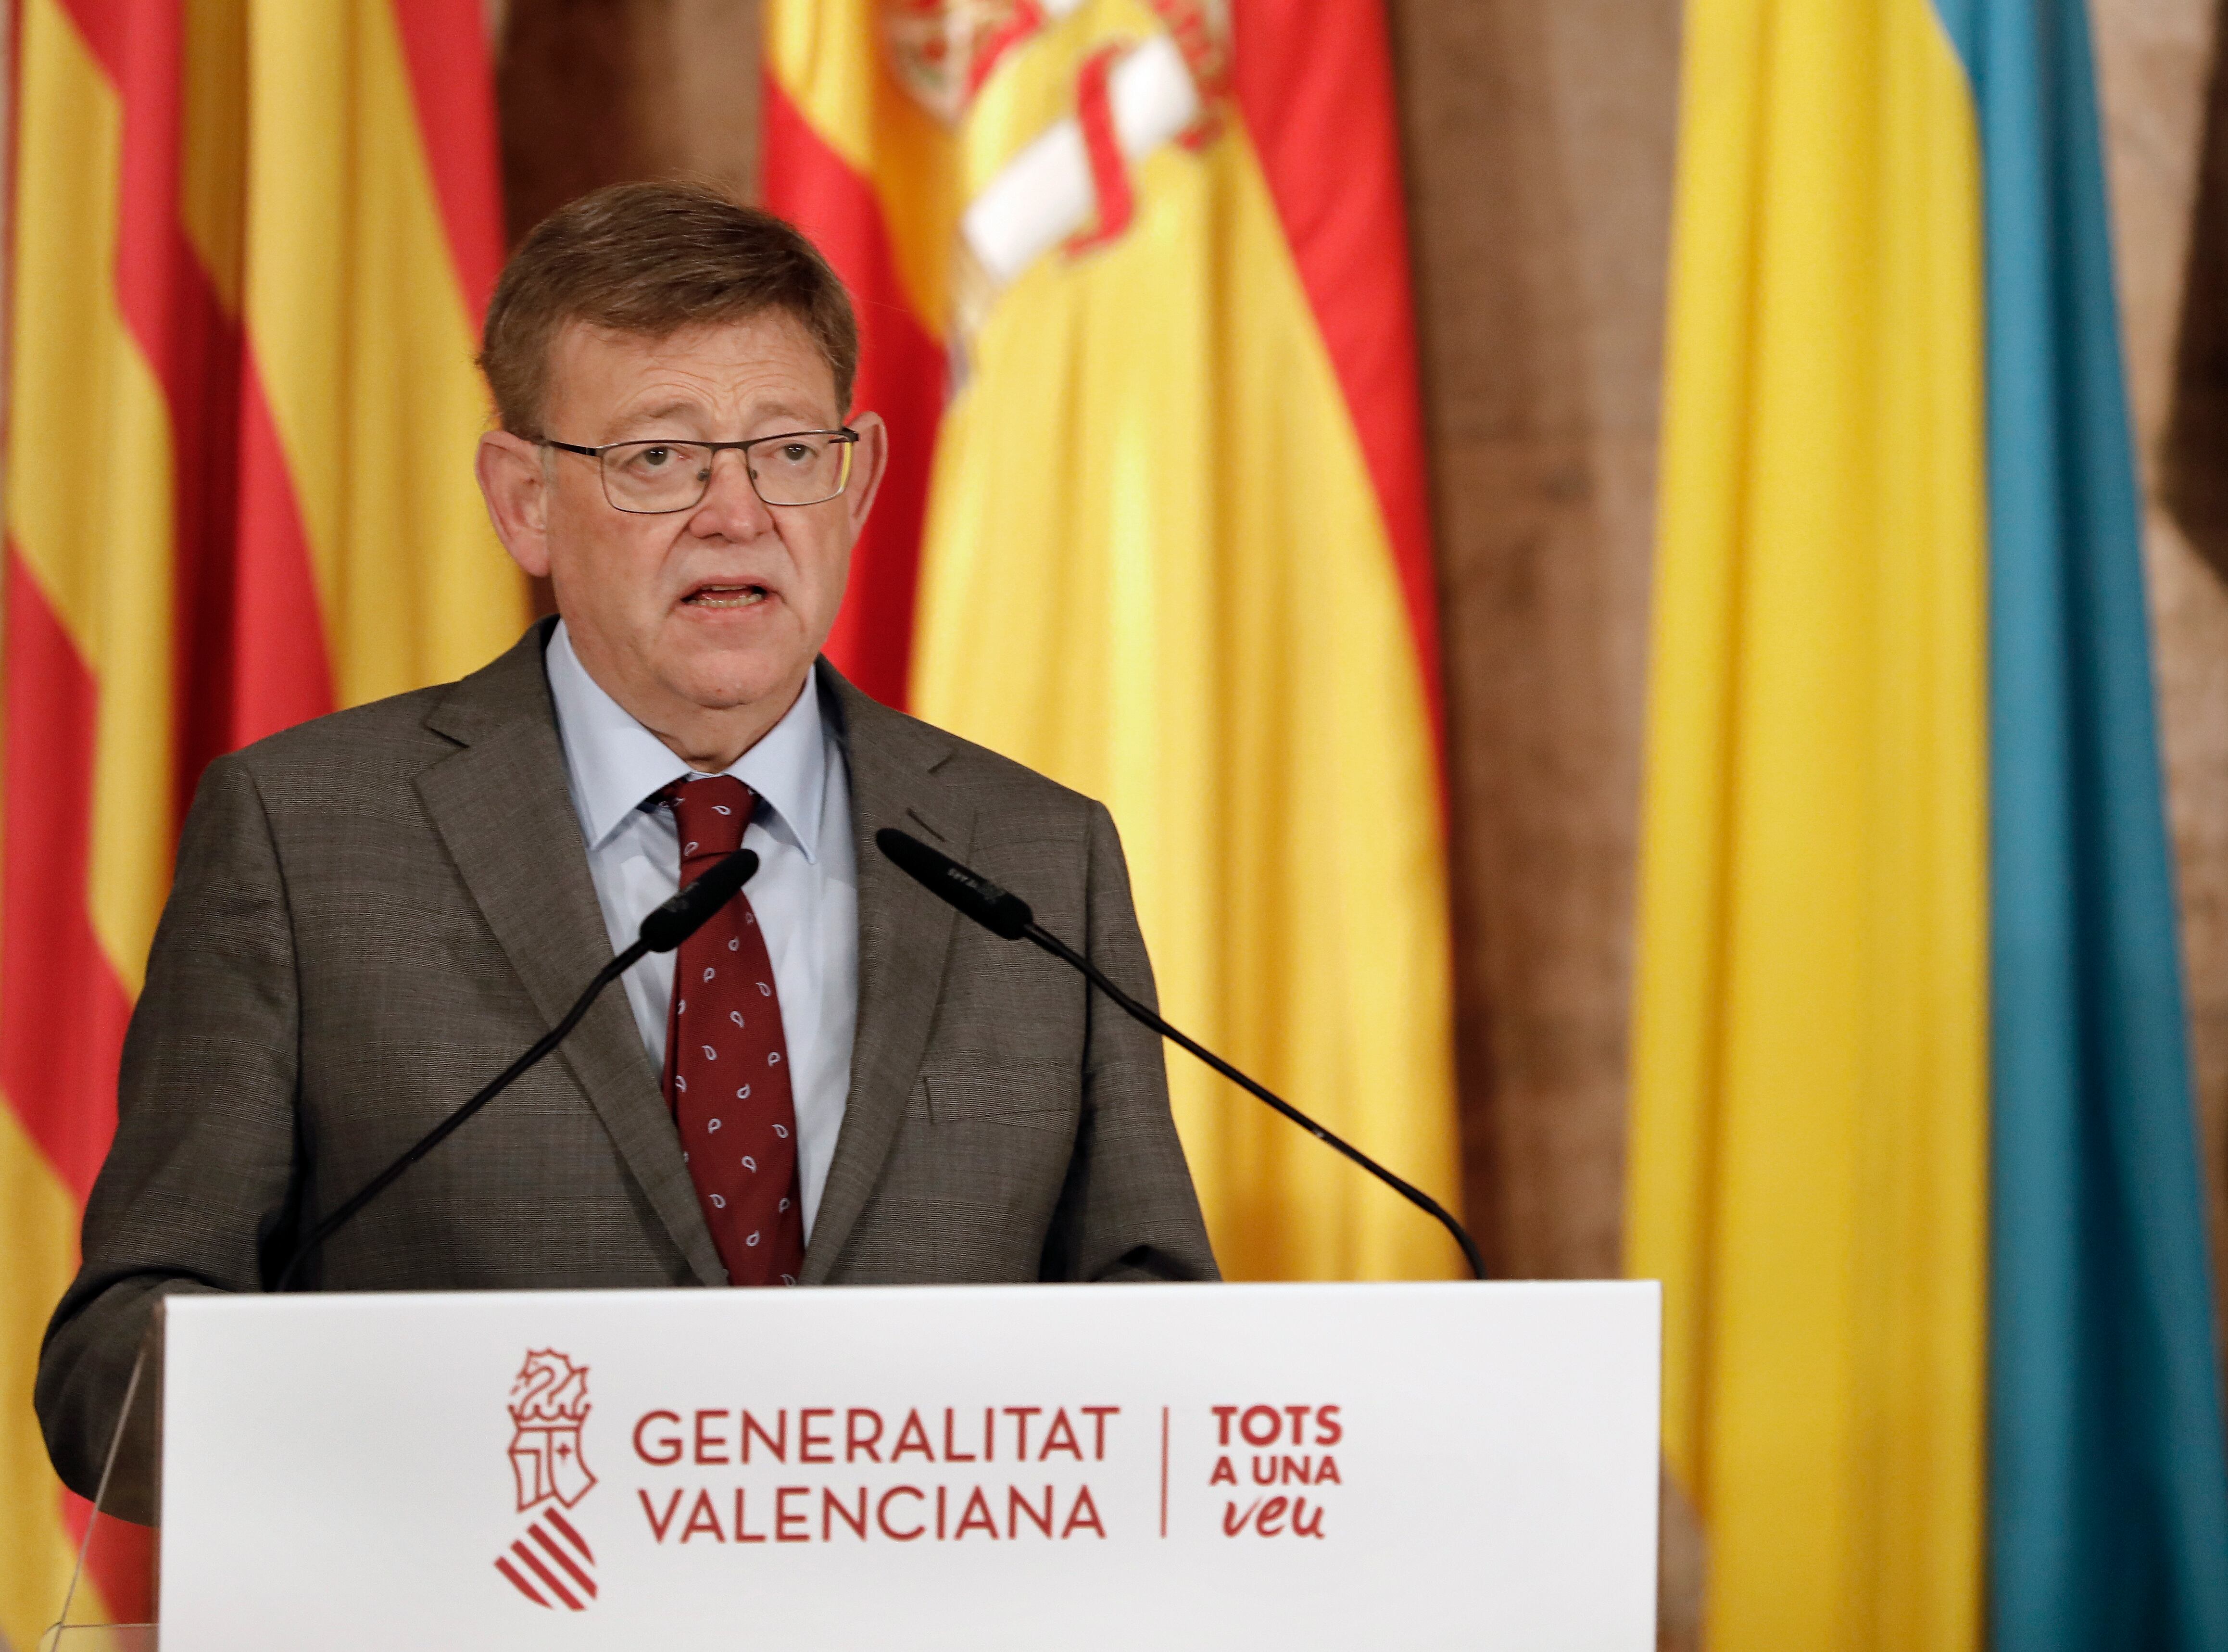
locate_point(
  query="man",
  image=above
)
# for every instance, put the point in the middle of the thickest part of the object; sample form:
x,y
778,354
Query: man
x,y
833,1082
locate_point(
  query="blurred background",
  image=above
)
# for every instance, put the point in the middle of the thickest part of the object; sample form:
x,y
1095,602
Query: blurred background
x,y
1408,270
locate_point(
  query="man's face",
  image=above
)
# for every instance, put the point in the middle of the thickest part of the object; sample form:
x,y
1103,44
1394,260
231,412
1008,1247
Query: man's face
x,y
706,610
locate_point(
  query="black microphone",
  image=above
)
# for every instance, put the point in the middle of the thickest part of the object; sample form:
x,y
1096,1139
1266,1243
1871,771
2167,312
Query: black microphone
x,y
670,923
1007,915
674,921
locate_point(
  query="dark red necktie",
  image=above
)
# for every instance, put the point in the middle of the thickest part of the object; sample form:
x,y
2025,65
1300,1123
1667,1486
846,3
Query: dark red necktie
x,y
726,1066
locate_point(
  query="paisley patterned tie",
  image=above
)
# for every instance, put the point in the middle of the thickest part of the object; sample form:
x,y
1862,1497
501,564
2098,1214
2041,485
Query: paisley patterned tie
x,y
727,1066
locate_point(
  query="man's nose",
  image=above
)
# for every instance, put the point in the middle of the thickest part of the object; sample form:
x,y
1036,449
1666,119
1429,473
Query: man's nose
x,y
731,508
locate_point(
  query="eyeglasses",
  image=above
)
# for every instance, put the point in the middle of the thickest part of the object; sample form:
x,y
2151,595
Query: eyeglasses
x,y
799,467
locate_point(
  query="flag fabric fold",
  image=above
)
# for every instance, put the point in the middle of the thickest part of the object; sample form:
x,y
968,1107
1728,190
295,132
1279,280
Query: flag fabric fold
x,y
2109,1489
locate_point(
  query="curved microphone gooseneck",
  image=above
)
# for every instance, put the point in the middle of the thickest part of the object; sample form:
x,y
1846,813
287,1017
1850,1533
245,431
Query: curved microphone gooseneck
x,y
664,929
1007,916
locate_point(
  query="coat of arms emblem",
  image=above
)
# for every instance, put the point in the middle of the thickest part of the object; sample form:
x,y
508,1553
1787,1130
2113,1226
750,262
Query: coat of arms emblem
x,y
552,1565
1136,90
940,50
548,1404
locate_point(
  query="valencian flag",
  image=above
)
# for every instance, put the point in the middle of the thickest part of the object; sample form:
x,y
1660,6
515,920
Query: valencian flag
x,y
1134,288
251,240
1913,1144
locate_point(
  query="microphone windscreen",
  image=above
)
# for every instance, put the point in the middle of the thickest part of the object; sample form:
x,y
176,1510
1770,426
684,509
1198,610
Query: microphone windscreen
x,y
687,912
1000,913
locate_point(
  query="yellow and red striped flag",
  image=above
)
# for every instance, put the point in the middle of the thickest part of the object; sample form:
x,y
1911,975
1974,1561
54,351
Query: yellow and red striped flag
x,y
1134,288
251,240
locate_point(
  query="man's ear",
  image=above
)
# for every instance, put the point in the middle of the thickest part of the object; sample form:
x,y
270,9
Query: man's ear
x,y
515,484
870,462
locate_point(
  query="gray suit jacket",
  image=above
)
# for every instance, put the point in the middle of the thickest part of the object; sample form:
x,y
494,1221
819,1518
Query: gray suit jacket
x,y
374,913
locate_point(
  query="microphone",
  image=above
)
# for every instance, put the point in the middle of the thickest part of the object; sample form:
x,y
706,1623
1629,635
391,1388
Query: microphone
x,y
1007,916
674,921
667,926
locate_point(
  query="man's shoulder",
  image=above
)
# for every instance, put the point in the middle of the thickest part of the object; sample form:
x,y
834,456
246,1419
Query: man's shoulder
x,y
998,790
998,782
398,736
393,727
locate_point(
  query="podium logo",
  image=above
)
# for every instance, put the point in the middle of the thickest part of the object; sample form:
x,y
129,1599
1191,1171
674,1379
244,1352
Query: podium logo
x,y
550,1564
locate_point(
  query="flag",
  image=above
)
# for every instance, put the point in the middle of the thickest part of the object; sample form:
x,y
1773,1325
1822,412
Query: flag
x,y
1134,292
251,243
1913,1141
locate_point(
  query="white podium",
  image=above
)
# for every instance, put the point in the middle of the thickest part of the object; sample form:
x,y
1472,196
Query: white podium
x,y
1234,1466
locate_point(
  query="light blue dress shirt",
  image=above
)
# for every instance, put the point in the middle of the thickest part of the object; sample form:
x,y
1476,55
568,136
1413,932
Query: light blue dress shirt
x,y
806,893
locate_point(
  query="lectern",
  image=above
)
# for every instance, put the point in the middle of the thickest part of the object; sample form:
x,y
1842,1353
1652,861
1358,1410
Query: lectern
x,y
1235,1466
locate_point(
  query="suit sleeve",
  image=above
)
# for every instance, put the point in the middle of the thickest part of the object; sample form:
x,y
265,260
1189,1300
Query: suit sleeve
x,y
1128,1210
196,1184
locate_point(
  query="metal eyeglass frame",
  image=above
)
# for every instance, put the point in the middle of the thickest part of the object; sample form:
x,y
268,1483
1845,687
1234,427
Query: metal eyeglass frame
x,y
846,436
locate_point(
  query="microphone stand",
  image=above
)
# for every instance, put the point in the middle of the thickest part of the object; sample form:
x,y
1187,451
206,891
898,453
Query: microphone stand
x,y
1007,916
663,930
1037,935
441,1132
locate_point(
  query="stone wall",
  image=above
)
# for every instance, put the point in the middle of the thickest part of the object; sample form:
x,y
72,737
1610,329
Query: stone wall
x,y
2166,135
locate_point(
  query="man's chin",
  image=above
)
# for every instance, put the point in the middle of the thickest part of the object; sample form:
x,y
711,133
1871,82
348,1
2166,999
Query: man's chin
x,y
728,684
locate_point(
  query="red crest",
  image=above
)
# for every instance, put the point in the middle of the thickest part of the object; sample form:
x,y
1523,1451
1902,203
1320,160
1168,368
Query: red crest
x,y
552,1565
548,1404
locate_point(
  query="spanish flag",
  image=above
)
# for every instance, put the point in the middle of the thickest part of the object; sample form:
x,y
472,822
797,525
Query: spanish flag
x,y
251,242
1134,288
1913,1141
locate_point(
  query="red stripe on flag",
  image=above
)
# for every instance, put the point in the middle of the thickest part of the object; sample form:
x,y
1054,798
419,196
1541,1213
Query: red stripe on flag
x,y
272,641
250,634
453,83
1313,80
901,376
520,1583
62,1008
121,1562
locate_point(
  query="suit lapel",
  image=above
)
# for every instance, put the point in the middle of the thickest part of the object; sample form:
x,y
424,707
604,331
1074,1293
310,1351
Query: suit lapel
x,y
903,941
502,806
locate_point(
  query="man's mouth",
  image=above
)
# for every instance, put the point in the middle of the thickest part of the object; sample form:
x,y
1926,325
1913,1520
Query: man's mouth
x,y
726,596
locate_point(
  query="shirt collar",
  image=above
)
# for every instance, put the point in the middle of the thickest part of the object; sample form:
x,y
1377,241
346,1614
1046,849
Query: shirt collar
x,y
614,763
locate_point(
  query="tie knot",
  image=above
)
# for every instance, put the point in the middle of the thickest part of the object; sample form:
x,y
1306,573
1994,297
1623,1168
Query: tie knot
x,y
711,814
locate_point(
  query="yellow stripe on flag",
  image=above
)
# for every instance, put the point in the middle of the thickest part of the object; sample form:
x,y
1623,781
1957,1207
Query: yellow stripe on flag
x,y
38,1234
360,332
1807,1163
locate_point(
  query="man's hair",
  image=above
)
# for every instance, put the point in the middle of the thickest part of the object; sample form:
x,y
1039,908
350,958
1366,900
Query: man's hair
x,y
651,258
